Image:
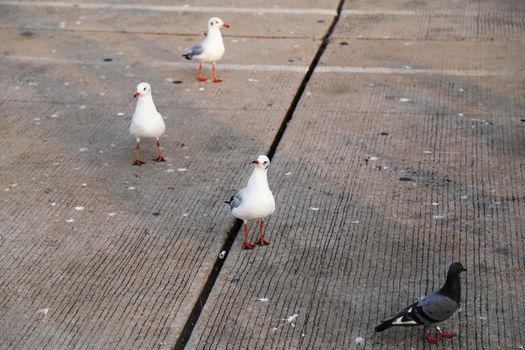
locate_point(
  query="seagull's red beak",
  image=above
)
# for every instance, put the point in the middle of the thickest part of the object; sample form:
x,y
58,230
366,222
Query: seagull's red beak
x,y
255,162
225,25
136,94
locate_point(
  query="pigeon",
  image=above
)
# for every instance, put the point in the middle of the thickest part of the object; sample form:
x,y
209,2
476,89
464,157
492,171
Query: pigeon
x,y
210,49
255,201
431,309
146,121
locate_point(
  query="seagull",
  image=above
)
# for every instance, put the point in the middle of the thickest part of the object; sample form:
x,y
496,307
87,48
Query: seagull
x,y
431,309
146,121
255,201
210,49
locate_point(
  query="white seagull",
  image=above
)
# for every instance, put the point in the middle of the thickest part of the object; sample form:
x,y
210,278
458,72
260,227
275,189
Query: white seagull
x,y
210,49
146,121
255,201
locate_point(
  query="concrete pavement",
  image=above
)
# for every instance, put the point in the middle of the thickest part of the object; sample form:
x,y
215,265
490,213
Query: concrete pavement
x,y
405,153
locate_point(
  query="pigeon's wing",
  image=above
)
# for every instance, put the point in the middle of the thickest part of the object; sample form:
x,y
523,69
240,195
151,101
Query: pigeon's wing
x,y
236,200
194,51
436,307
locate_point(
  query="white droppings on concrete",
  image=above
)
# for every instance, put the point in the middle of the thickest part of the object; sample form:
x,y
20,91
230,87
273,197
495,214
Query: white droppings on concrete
x,y
483,317
82,107
79,208
252,80
83,149
408,67
404,99
54,115
112,214
170,170
201,89
102,94
112,145
62,24
181,169
36,119
43,311
185,214
435,203
17,87
427,152
373,158
460,114
359,341
131,188
53,204
313,208
461,90
439,216
288,320
263,300
355,222
70,221
464,197
32,83
288,173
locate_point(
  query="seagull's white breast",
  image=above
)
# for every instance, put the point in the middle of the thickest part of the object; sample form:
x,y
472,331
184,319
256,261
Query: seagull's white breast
x,y
146,121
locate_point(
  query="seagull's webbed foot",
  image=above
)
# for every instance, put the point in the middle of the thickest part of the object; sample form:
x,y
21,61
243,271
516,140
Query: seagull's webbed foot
x,y
138,162
159,158
429,338
261,241
217,80
247,245
202,79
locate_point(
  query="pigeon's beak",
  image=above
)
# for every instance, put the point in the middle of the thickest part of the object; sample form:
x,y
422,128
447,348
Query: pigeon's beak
x,y
224,25
136,94
256,162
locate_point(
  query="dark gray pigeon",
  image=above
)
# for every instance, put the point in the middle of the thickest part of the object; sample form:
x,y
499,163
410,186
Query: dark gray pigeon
x,y
432,309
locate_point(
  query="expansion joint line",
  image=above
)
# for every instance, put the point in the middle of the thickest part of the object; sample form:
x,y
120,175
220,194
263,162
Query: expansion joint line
x,y
232,233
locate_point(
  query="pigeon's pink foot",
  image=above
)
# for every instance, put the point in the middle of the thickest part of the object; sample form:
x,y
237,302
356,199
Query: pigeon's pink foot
x,y
217,80
138,162
261,241
159,158
446,335
429,338
247,245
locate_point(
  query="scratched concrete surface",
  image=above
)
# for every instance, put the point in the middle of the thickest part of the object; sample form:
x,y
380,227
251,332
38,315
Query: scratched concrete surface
x,y
406,152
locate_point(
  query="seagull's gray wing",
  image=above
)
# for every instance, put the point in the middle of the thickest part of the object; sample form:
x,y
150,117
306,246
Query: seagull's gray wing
x,y
236,200
194,51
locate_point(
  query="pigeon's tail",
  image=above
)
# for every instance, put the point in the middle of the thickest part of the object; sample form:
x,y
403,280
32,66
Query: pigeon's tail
x,y
384,325
188,56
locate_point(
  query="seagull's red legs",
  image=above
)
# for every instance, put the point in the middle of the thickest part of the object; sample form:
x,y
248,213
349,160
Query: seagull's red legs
x,y
429,338
215,80
261,241
444,334
246,245
159,157
137,156
201,78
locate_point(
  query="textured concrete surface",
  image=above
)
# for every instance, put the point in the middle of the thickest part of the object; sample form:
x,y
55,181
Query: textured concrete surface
x,y
406,152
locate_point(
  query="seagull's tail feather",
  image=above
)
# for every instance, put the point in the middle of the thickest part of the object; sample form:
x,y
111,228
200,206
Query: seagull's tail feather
x,y
188,56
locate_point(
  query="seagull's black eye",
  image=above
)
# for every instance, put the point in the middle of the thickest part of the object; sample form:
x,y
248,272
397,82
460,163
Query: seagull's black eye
x,y
144,89
265,162
211,23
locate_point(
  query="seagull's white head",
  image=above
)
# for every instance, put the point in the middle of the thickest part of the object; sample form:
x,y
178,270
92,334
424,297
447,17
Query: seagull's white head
x,y
216,22
262,162
143,89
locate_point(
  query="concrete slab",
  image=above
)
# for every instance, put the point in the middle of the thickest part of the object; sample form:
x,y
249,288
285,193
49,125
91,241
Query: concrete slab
x,y
252,24
429,25
90,244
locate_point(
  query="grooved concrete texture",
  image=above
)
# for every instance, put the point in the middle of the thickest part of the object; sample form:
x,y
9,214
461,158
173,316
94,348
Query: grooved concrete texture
x,y
381,179
96,253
